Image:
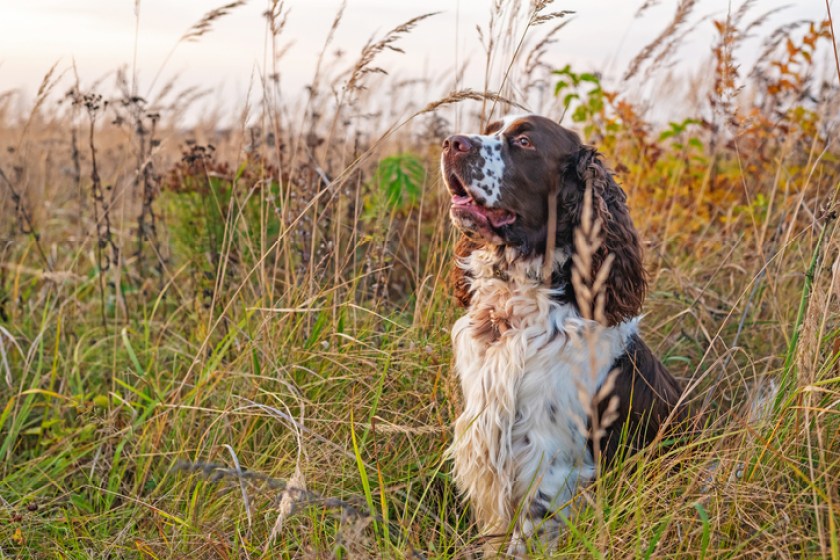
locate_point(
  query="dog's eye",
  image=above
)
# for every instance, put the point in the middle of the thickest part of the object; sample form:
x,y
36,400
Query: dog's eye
x,y
523,141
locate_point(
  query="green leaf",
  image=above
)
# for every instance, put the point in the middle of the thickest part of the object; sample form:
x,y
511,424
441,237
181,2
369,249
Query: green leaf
x,y
400,177
565,71
707,528
696,142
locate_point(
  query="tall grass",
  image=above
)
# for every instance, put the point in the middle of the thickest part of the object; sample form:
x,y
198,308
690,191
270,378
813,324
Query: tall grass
x,y
233,342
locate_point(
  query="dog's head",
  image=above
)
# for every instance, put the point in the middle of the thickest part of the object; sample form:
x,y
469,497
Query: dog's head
x,y
500,183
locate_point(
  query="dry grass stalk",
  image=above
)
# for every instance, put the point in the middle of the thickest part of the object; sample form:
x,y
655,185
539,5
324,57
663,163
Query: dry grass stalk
x,y
684,9
364,65
815,324
205,24
833,39
488,44
671,46
44,89
536,56
504,37
467,95
316,76
277,16
646,5
25,223
198,30
590,294
215,473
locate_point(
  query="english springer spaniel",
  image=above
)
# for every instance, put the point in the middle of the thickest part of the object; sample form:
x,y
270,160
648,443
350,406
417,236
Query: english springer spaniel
x,y
522,445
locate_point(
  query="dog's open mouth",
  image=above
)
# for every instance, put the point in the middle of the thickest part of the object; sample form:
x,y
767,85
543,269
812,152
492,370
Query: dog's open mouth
x,y
464,205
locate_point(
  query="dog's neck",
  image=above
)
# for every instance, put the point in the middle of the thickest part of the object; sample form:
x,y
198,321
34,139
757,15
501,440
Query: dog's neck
x,y
497,267
506,287
508,264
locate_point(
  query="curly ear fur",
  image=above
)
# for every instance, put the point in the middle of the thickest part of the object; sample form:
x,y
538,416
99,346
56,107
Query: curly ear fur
x,y
627,283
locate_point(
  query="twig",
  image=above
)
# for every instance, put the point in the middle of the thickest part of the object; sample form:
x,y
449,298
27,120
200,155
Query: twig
x,y
25,218
833,39
244,490
216,472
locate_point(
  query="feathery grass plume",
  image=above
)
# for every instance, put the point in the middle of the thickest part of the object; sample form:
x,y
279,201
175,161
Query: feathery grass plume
x,y
506,37
661,60
488,44
731,33
363,65
684,9
316,77
277,16
44,89
590,295
205,24
725,88
535,61
288,500
198,30
467,94
646,5
590,292
536,57
538,17
761,69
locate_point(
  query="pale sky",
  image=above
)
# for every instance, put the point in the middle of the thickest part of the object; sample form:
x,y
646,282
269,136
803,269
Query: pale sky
x,y
99,36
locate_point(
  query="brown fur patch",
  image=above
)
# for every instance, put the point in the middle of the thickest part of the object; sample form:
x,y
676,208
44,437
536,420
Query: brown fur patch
x,y
647,393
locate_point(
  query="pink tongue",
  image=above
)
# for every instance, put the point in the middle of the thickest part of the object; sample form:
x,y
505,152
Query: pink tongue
x,y
495,216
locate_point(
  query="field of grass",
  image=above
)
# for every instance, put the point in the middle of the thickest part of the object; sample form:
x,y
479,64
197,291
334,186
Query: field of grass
x,y
232,341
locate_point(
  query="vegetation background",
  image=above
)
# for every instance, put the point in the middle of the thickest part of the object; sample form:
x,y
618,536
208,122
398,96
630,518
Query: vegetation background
x,y
232,341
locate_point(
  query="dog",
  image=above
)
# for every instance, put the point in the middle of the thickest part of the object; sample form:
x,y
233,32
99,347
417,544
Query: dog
x,y
529,359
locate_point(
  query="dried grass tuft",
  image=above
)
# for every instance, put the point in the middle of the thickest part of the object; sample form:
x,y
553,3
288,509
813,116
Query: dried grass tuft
x,y
684,9
469,95
364,64
203,26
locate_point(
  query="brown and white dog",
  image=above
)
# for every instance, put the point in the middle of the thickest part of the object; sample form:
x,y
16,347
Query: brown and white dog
x,y
521,444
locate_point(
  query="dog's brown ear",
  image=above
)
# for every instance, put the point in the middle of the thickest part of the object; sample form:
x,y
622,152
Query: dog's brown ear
x,y
493,127
627,282
457,275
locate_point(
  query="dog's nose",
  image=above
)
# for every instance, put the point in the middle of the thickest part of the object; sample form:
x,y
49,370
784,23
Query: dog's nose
x,y
458,143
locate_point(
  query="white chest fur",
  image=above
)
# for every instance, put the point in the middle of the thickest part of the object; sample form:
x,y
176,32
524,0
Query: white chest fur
x,y
525,362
